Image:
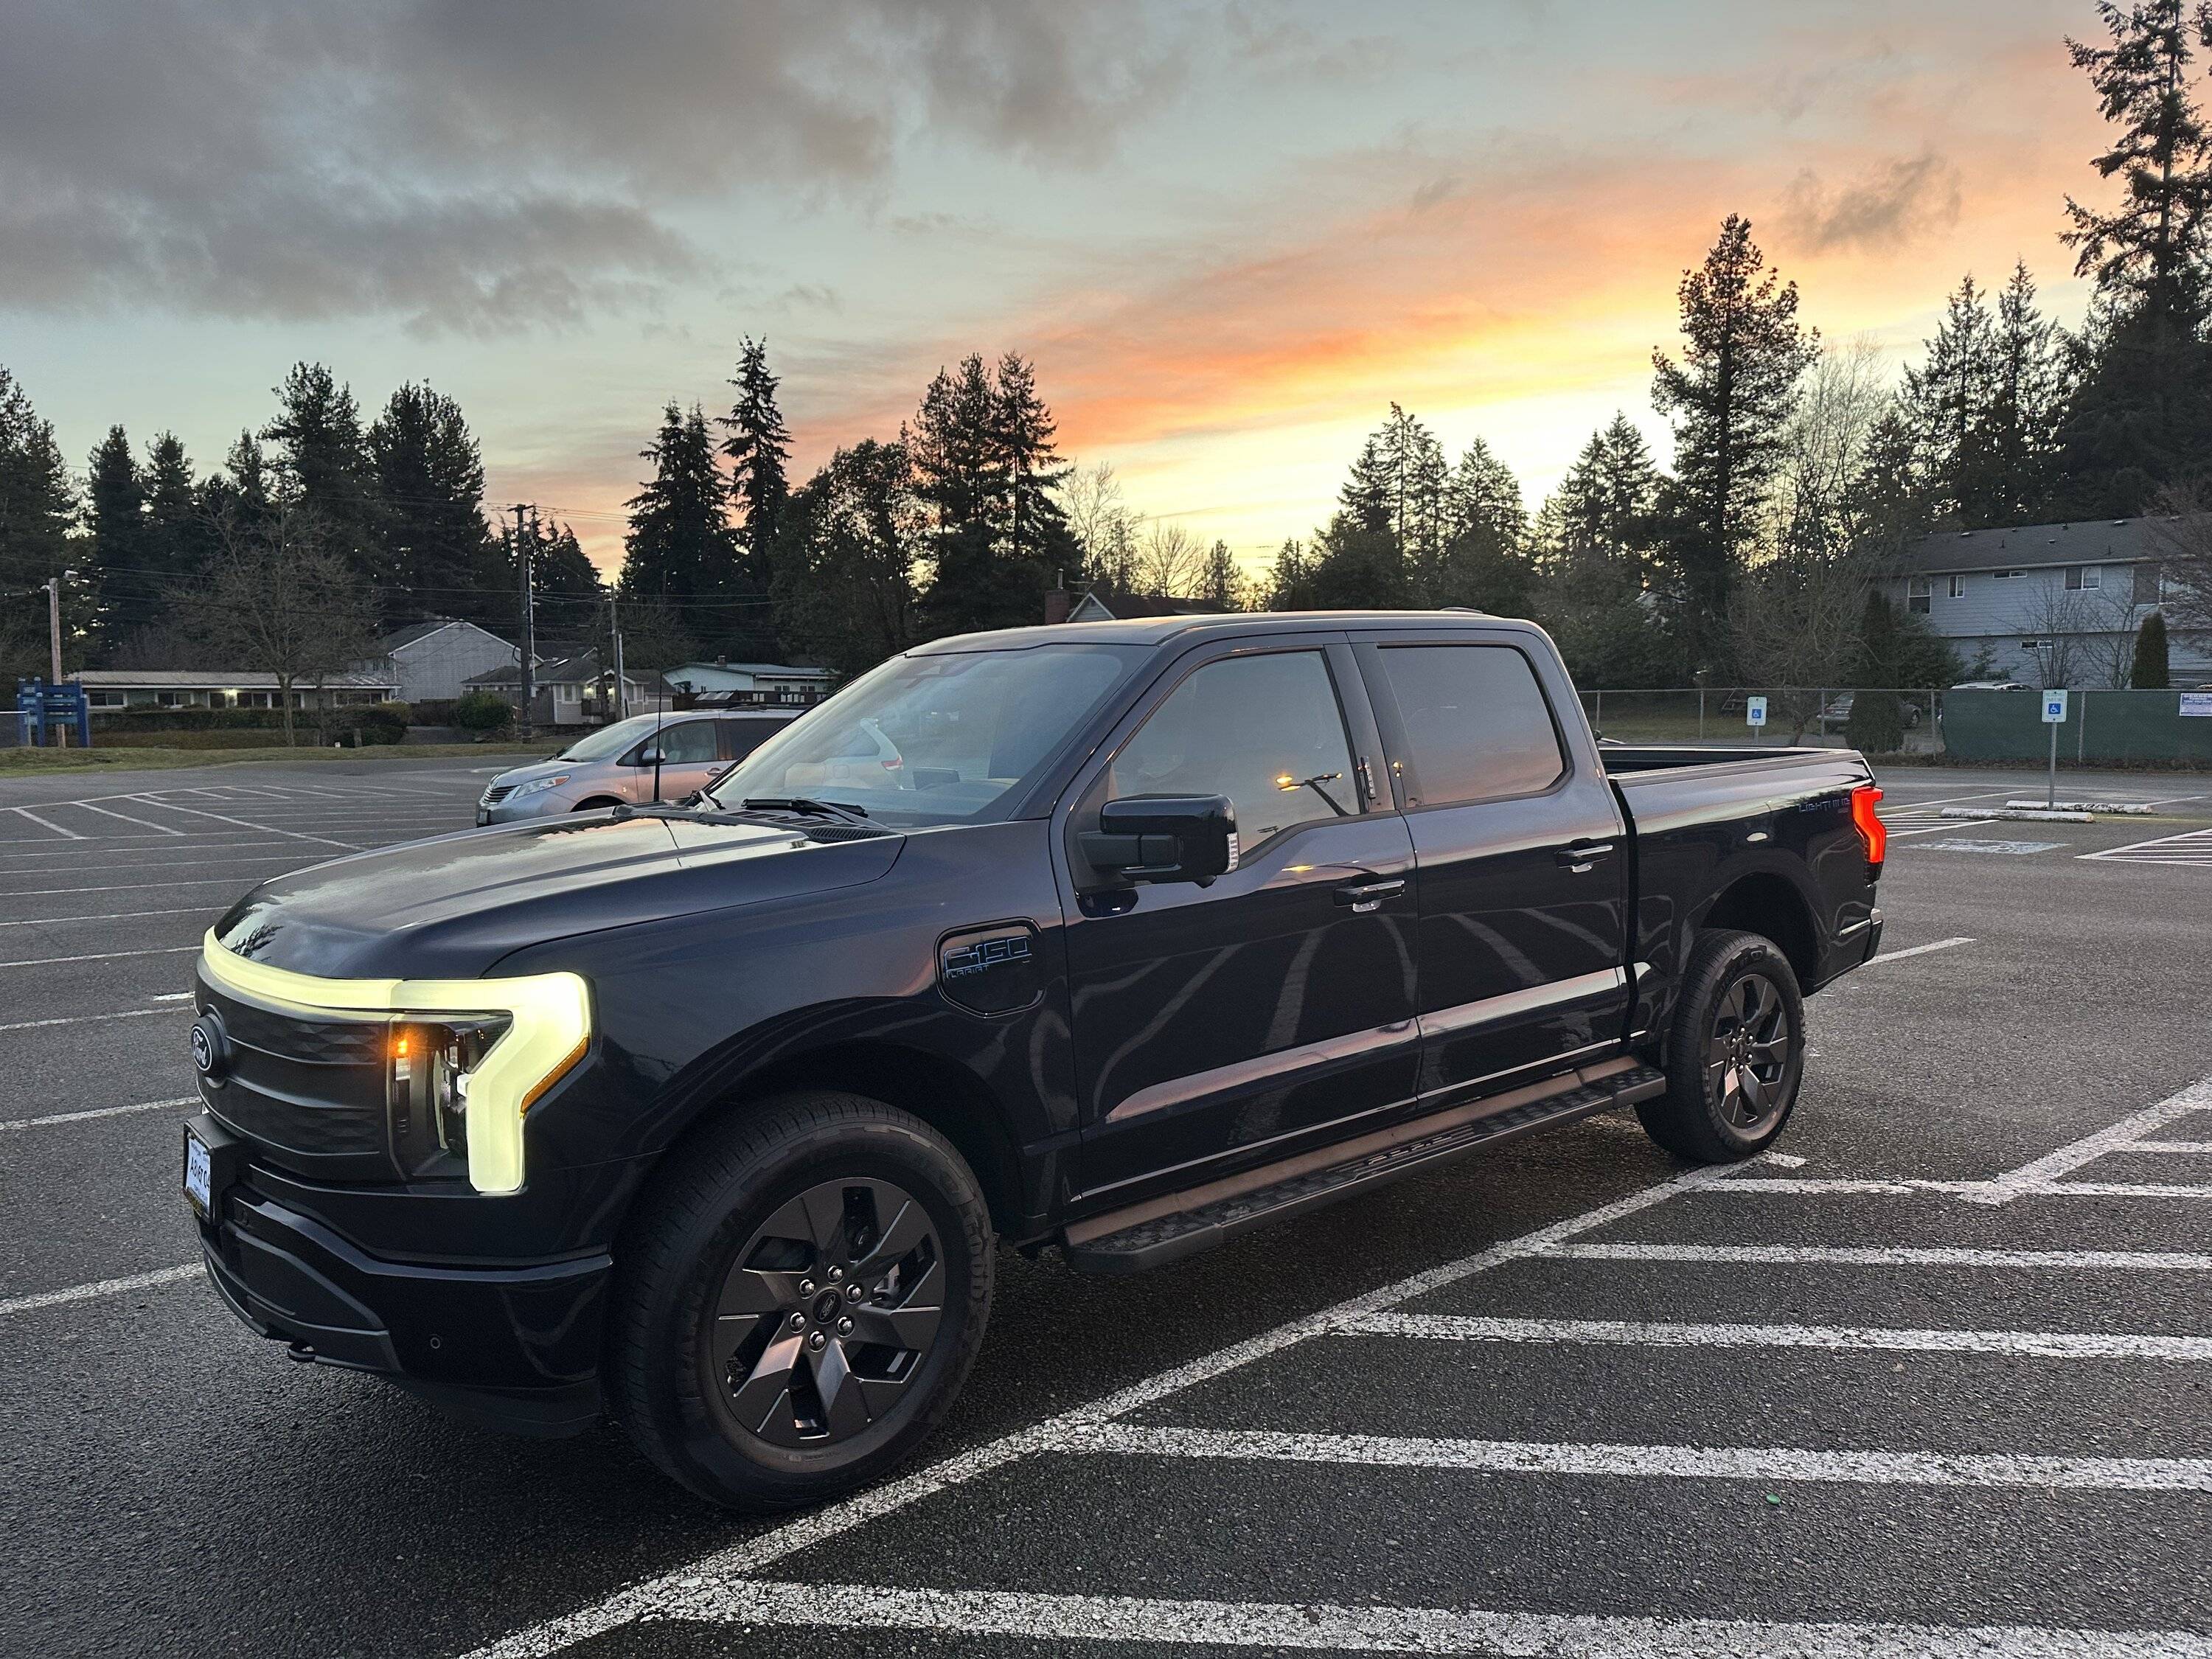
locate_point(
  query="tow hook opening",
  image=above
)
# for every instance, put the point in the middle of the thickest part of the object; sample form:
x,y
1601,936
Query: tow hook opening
x,y
300,1353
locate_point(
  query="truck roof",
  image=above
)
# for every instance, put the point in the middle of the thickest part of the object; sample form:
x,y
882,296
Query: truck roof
x,y
1159,630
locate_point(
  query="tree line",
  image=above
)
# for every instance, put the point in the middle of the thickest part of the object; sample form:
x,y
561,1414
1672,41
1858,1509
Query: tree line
x,y
1798,474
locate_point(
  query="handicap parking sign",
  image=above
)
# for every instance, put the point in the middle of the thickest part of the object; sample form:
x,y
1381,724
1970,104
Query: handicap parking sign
x,y
1754,711
2054,708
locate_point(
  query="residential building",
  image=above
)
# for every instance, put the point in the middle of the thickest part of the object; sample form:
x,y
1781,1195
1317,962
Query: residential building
x,y
110,690
574,691
759,684
434,660
2047,603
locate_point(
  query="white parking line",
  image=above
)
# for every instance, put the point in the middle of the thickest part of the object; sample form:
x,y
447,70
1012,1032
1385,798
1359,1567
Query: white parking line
x,y
102,1287
2034,1344
47,823
1764,1464
83,1019
140,886
98,1111
1035,1617
246,824
1890,1255
114,915
2164,1147
160,828
101,956
1916,950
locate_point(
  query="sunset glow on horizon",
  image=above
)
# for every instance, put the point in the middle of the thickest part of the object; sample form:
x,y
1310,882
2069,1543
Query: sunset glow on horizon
x,y
1229,237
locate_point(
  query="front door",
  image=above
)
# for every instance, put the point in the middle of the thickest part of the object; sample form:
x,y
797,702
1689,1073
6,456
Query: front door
x,y
690,755
1231,1021
1522,855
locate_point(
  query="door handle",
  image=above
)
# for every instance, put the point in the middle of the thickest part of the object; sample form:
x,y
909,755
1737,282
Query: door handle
x,y
1582,857
1365,896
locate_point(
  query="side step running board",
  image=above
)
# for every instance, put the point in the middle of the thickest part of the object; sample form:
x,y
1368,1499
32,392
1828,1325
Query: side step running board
x,y
1150,1239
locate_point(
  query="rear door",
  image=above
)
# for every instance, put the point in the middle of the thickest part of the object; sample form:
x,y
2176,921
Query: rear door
x,y
690,755
1521,857
1272,1007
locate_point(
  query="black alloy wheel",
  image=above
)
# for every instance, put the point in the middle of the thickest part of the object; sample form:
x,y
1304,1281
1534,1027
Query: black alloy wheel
x,y
799,1294
1735,1053
828,1312
1748,1059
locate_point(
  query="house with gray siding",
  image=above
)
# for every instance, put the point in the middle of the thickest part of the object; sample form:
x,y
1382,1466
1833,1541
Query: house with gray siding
x,y
437,658
2055,604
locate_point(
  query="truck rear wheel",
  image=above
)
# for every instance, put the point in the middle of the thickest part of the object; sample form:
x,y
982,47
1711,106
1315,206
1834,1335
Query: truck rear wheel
x,y
799,1300
1736,1054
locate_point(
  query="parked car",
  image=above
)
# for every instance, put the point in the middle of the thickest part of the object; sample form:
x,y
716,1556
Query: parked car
x,y
1992,685
708,1117
646,757
1838,714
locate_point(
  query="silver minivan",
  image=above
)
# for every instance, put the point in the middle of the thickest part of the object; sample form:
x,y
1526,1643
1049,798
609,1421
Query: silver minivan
x,y
648,757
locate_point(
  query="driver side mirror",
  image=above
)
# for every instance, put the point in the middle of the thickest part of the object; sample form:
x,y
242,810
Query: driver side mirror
x,y
648,757
1162,838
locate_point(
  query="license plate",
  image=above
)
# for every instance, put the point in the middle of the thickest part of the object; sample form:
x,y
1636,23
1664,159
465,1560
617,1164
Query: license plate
x,y
482,818
199,1173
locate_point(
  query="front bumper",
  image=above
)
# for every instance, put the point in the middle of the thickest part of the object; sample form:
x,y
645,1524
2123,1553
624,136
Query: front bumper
x,y
515,1348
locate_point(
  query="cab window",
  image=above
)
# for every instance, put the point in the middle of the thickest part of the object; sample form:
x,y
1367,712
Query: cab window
x,y
689,743
1265,731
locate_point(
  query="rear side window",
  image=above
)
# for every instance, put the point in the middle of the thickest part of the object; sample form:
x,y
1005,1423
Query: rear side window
x,y
1475,720
688,744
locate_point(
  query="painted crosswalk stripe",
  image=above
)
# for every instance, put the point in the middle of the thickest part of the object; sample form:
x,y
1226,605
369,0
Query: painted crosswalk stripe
x,y
1766,1464
1668,1334
967,1615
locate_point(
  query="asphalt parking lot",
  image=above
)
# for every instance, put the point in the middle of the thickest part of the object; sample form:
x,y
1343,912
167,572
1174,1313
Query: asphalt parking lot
x,y
1934,1378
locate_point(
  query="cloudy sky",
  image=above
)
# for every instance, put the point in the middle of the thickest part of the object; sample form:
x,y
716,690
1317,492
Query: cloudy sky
x,y
1229,234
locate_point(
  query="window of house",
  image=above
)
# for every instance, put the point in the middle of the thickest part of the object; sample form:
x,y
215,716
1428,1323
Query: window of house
x,y
2032,645
104,699
1957,589
169,699
2147,584
2007,575
2082,576
1916,595
1476,724
1264,731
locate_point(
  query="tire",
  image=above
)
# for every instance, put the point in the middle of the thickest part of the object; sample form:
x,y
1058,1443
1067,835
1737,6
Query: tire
x,y
769,1287
1735,1053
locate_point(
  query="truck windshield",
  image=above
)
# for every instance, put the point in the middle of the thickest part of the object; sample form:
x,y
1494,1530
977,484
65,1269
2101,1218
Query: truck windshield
x,y
931,740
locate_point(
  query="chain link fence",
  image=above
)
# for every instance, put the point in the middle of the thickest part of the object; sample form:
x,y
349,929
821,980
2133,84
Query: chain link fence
x,y
2102,728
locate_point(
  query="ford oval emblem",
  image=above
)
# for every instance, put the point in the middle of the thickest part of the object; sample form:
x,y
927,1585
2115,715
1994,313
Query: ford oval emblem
x,y
210,1048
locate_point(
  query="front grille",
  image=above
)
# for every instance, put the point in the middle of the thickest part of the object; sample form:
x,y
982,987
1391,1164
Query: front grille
x,y
307,1092
496,793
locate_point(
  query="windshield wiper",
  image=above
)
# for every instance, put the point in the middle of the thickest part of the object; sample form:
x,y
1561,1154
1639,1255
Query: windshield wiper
x,y
807,805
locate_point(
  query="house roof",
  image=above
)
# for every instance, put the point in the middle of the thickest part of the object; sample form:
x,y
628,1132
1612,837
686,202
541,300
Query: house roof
x,y
2036,546
757,670
558,671
1122,606
220,679
400,639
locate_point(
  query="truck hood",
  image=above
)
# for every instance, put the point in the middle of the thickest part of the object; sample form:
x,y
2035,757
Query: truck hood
x,y
451,906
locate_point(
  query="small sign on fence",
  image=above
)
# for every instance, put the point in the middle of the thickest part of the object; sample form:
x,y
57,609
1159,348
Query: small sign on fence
x,y
2197,705
1754,711
2054,708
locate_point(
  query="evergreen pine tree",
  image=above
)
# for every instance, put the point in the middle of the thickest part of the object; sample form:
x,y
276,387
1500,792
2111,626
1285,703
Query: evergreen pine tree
x,y
322,465
986,470
429,524
2011,480
180,541
115,562
847,586
2150,672
1035,527
1290,578
1223,585
1947,398
2141,417
678,550
1605,500
1485,559
38,505
1731,397
759,446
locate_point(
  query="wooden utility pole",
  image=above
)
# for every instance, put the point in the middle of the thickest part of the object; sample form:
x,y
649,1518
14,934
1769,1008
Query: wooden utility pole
x,y
524,545
622,685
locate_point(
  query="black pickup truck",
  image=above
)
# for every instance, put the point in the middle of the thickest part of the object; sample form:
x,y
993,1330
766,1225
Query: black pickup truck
x,y
1123,938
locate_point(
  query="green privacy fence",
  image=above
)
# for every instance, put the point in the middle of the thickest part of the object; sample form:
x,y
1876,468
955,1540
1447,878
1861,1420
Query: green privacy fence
x,y
2113,728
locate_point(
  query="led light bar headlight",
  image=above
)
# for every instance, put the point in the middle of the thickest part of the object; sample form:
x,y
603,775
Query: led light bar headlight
x,y
467,1056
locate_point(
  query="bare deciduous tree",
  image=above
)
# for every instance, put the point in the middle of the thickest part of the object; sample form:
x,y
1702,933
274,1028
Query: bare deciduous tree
x,y
2086,636
1170,560
1102,524
1813,510
1796,626
279,601
2181,531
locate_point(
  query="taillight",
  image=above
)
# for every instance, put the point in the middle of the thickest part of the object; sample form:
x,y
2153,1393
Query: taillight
x,y
1872,830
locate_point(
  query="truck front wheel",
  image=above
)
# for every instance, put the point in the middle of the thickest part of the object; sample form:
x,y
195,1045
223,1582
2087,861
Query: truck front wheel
x,y
799,1300
1736,1054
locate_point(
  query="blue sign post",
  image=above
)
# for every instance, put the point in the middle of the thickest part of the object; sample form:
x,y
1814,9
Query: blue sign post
x,y
48,705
